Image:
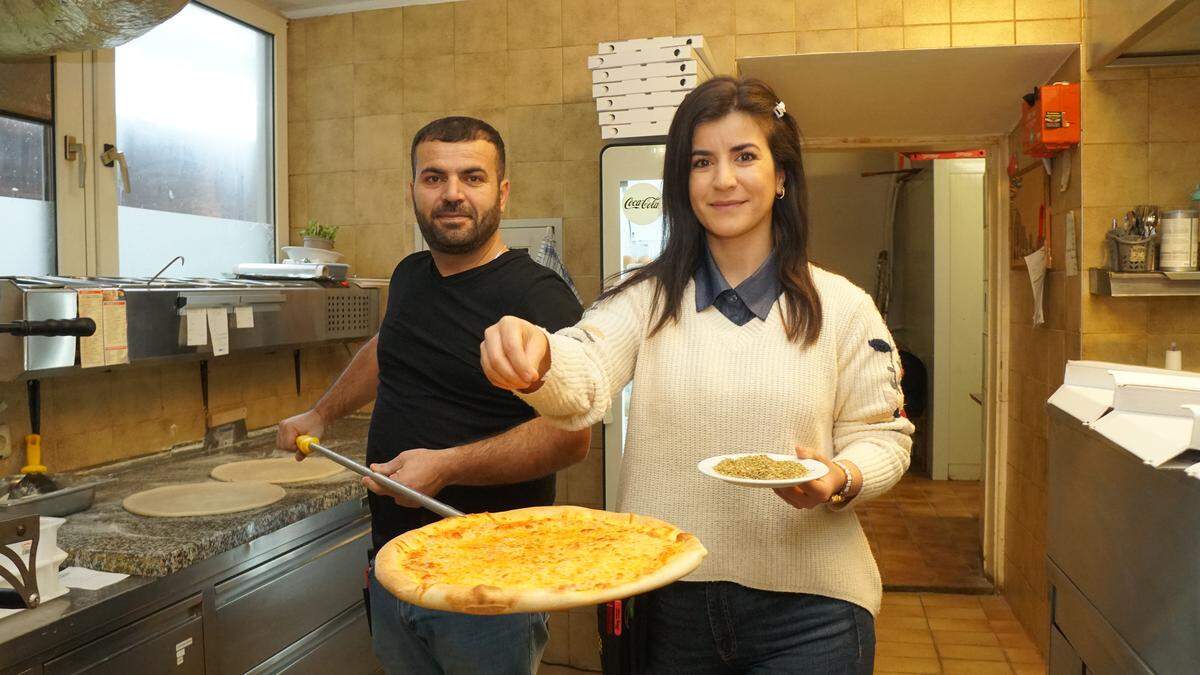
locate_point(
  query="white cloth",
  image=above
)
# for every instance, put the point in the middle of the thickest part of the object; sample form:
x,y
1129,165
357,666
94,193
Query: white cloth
x,y
704,387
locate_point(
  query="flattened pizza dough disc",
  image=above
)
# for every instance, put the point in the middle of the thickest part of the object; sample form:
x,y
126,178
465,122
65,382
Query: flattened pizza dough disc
x,y
277,470
202,499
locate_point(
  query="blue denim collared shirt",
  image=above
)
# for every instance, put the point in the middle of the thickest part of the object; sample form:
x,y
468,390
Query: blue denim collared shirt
x,y
753,297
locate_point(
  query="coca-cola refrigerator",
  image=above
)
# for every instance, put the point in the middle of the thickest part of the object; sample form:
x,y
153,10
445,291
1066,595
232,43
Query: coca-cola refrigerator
x,y
631,234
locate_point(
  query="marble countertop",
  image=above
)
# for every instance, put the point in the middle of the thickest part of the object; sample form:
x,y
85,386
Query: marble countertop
x,y
107,537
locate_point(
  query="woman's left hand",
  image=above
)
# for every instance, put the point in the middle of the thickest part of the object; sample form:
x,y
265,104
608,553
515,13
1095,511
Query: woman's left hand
x,y
815,492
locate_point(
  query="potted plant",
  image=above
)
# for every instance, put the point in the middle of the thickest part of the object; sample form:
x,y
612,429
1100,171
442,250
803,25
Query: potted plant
x,y
318,235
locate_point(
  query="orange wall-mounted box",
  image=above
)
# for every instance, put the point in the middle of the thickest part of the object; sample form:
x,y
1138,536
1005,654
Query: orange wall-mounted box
x,y
1051,124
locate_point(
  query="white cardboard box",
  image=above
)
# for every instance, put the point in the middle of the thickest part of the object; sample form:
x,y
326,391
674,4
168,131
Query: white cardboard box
x,y
654,99
645,70
649,44
650,84
636,130
635,58
665,113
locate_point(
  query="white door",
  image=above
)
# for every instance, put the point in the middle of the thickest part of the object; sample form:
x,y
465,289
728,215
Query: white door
x,y
959,305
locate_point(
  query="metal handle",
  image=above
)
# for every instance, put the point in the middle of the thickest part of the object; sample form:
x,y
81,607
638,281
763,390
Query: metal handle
x,y
74,150
110,155
310,444
83,327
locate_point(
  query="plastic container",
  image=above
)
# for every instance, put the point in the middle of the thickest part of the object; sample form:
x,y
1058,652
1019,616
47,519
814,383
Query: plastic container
x,y
1179,240
49,584
1130,254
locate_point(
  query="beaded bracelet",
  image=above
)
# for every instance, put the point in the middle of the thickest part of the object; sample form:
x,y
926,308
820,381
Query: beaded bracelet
x,y
844,493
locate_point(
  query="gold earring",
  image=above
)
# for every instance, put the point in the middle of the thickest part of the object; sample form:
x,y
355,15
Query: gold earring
x,y
782,192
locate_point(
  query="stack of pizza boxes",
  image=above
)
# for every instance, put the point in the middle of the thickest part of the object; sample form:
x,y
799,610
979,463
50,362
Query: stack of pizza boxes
x,y
638,84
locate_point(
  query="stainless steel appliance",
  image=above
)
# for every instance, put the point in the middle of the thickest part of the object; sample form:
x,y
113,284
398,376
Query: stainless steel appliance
x,y
287,313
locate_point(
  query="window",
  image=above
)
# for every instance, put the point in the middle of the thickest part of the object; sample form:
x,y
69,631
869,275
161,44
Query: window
x,y
27,210
194,119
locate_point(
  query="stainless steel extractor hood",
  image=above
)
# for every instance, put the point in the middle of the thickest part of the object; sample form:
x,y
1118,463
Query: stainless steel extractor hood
x,y
43,27
1136,33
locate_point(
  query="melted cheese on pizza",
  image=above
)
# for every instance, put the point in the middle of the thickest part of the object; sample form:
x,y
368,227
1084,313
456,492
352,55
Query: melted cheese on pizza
x,y
546,554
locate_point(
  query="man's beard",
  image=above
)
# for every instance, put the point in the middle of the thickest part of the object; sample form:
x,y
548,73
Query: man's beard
x,y
464,239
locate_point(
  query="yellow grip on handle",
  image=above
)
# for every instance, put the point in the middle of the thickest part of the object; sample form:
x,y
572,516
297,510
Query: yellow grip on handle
x,y
304,443
33,455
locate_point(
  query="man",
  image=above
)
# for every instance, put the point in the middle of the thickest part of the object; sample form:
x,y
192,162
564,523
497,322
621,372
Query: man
x,y
438,425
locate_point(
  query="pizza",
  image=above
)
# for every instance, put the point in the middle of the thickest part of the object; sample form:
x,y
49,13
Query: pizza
x,y
534,560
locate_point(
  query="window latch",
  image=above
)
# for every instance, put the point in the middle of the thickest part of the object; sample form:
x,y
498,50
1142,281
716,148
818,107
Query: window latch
x,y
73,151
110,155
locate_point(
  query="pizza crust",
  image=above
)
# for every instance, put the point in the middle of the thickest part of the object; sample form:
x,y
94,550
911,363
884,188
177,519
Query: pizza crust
x,y
202,499
486,599
278,470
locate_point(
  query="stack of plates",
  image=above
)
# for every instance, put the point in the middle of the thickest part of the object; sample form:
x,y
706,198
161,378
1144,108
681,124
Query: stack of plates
x,y
638,84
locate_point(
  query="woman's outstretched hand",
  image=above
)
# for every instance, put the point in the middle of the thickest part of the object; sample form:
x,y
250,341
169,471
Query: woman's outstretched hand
x,y
815,492
515,354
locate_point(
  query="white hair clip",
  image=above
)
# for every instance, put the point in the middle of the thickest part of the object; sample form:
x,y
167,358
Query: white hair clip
x,y
780,109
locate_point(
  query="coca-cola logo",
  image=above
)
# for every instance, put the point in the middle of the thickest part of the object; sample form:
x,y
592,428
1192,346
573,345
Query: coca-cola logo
x,y
642,204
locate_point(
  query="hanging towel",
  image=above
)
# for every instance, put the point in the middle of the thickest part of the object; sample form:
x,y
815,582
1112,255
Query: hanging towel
x,y
547,254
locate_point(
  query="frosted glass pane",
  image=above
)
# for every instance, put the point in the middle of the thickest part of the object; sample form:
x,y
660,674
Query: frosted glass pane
x,y
27,242
194,119
27,228
211,246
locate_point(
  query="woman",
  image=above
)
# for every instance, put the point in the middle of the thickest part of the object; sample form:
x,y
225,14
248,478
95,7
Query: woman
x,y
736,343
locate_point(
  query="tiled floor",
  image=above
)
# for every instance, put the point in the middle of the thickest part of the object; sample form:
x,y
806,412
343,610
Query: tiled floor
x,y
945,633
940,633
926,536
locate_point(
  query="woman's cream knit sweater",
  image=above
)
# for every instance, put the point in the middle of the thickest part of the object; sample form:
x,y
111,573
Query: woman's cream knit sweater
x,y
704,386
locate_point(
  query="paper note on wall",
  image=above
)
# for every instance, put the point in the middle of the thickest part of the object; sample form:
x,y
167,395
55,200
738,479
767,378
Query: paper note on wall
x,y
1072,254
244,315
218,328
91,348
197,326
116,328
1036,262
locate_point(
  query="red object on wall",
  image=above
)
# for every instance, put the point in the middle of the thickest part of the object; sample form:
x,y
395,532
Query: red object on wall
x,y
1051,124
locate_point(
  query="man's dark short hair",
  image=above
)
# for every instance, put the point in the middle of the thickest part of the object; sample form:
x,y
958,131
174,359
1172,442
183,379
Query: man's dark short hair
x,y
458,130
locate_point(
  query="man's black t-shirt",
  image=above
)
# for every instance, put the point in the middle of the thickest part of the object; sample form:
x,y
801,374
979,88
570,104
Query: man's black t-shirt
x,y
432,391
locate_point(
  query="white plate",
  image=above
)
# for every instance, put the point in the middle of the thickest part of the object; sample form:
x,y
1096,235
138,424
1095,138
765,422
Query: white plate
x,y
317,255
815,470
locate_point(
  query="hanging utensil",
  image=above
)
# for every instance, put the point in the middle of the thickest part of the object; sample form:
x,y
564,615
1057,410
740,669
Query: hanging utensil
x,y
310,444
35,481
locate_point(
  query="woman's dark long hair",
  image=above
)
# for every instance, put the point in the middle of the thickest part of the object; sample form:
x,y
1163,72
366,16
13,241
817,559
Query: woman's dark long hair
x,y
684,247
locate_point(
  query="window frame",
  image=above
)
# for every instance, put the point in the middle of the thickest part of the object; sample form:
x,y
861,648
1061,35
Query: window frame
x,y
100,254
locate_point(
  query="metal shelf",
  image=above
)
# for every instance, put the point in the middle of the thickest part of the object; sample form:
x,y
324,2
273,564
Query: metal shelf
x,y
1143,284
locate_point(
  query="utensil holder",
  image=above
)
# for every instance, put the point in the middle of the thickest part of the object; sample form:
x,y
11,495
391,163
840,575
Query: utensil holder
x,y
1128,253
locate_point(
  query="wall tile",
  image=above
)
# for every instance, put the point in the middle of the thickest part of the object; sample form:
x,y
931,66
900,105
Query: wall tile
x,y
1113,315
379,143
974,11
826,41
825,14
297,201
1175,109
1171,316
428,83
926,11
764,16
537,190
577,79
723,49
1174,173
480,80
766,44
535,23
581,132
1051,31
331,197
1115,173
297,45
588,22
582,244
330,145
480,26
429,30
645,18
535,133
1047,9
1117,347
378,35
935,36
704,17
379,88
381,247
1115,111
879,39
872,13
330,92
980,34
1159,72
298,140
327,40
297,95
379,195
581,197
534,76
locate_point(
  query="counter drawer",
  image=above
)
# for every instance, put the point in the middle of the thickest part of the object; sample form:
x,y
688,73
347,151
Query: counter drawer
x,y
168,641
262,611
340,646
